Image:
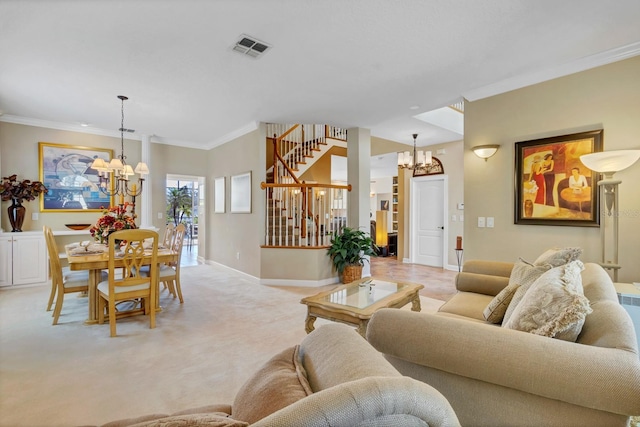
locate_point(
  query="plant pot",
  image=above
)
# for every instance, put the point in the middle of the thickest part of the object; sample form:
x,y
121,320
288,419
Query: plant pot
x,y
351,273
16,215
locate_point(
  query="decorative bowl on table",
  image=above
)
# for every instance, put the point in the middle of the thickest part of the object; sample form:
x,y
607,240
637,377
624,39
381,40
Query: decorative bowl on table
x,y
77,226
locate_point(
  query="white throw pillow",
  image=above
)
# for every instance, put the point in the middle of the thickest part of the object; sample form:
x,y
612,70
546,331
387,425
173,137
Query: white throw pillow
x,y
523,274
554,306
558,256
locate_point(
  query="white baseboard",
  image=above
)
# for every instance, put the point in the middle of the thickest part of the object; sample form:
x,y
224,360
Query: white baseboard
x,y
300,283
446,267
249,277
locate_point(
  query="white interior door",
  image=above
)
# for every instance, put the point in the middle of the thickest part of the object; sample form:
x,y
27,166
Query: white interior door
x,y
427,221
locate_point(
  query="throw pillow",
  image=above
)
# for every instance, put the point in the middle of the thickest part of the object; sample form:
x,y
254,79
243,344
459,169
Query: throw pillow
x,y
277,384
211,420
554,306
558,256
496,309
523,274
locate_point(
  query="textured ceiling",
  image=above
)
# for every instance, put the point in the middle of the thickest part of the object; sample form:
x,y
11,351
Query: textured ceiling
x,y
349,63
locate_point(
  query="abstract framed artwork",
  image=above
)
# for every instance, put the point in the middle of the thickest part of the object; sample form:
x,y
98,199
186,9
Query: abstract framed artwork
x,y
552,186
219,196
241,193
73,186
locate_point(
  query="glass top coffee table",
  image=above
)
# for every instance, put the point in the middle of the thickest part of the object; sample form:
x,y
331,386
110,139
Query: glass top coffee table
x,y
355,303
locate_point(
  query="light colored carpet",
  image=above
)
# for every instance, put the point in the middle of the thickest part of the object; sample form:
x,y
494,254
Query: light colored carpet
x,y
200,353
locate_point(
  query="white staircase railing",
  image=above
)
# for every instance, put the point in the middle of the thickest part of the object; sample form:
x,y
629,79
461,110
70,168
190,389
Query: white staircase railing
x,y
303,214
295,146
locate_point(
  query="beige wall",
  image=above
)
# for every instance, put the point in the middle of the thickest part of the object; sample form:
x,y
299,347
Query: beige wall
x,y
19,148
452,162
170,159
234,239
606,97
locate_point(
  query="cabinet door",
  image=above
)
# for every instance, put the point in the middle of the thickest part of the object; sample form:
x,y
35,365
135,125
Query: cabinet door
x,y
29,260
5,260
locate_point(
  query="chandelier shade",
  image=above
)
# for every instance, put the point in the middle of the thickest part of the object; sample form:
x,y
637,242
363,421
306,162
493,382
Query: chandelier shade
x,y
417,159
114,176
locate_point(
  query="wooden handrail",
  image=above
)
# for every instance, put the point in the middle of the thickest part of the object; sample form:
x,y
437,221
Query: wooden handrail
x,y
264,185
294,127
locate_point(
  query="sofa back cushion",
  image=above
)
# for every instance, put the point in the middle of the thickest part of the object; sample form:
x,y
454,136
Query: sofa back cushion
x,y
335,353
280,382
609,325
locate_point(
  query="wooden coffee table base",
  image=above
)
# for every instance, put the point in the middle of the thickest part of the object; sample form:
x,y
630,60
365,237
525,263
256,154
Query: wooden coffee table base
x,y
324,306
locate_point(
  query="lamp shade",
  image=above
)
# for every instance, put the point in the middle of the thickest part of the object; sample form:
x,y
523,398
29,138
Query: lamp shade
x,y
610,161
142,168
99,165
115,164
485,151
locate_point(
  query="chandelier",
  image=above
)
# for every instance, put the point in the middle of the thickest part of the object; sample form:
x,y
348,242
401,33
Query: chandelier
x,y
114,176
419,158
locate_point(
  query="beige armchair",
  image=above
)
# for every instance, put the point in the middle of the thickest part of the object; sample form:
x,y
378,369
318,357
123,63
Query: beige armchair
x,y
333,378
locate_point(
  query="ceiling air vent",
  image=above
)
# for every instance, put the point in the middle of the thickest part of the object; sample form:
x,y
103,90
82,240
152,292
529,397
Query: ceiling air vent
x,y
127,130
251,46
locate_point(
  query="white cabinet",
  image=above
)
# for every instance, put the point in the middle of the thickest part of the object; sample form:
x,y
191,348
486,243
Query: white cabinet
x,y
23,258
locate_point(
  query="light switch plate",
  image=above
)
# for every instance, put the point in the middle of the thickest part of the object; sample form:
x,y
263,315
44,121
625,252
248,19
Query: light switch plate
x,y
34,216
481,221
490,221
454,218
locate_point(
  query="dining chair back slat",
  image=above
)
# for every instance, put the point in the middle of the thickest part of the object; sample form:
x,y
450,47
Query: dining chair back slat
x,y
130,283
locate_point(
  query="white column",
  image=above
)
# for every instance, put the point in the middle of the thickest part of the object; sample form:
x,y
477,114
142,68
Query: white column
x,y
359,176
145,205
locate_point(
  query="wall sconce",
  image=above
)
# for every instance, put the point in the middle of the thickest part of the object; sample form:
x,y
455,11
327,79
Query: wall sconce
x,y
485,151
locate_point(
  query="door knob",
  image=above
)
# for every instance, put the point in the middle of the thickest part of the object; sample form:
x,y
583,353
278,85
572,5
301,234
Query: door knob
x,y
441,228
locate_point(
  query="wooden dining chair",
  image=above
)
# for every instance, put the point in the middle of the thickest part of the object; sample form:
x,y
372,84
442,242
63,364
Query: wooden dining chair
x,y
63,280
169,234
170,273
132,284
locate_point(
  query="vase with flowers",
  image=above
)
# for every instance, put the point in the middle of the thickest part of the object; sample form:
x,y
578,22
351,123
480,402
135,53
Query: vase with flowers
x,y
18,192
112,219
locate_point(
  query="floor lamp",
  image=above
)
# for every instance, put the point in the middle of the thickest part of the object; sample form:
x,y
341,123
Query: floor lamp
x,y
608,163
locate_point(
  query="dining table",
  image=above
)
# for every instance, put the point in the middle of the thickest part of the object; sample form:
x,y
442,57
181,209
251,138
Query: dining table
x,y
95,258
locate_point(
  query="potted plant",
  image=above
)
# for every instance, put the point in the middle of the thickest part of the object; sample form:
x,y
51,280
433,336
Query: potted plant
x,y
348,251
18,192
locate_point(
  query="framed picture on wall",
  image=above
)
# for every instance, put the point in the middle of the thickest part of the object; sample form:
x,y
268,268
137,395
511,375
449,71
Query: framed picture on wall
x,y
73,186
219,196
384,205
241,193
552,186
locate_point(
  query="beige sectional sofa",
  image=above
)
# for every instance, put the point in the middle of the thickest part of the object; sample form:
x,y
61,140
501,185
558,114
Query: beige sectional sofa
x,y
495,376
333,378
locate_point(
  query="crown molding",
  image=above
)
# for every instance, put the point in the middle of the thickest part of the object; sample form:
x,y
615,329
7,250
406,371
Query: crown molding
x,y
249,127
582,64
64,126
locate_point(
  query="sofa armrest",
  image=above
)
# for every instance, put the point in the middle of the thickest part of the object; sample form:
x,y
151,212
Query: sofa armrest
x,y
600,378
484,277
374,401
